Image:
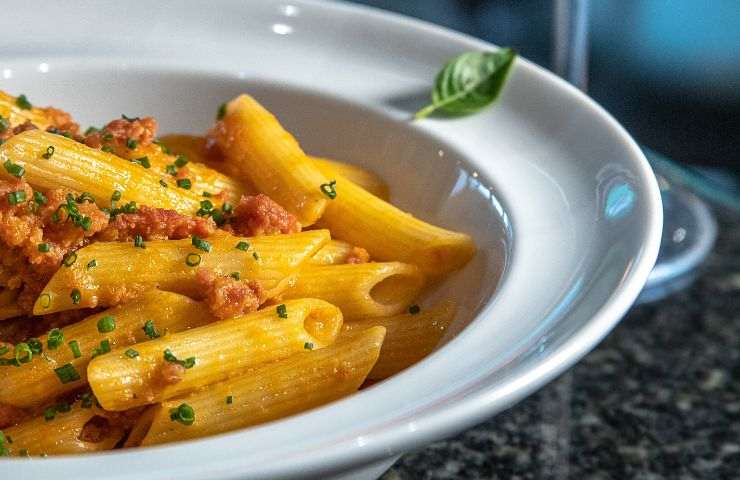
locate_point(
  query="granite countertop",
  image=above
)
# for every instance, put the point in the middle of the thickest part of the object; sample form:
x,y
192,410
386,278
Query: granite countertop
x,y
659,398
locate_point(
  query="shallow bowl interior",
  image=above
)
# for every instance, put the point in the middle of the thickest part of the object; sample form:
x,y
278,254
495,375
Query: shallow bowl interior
x,y
559,199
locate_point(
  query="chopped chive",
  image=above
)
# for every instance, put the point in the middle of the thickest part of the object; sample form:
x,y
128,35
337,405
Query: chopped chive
x,y
181,161
227,207
143,161
54,339
67,373
103,348
171,169
184,183
183,414
107,149
49,152
23,103
69,259
330,189
170,357
90,130
106,324
35,345
75,347
243,246
107,137
85,197
139,241
4,350
229,400
116,196
192,260
43,247
150,329
282,311
235,275
206,205
50,413
255,256
207,194
92,263
200,244
20,349
130,119
76,296
14,198
163,183
14,169
40,198
308,346
221,111
218,217
131,144
86,400
131,353
414,309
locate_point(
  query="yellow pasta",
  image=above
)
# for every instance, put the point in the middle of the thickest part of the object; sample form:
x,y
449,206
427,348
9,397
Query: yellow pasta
x,y
15,115
194,148
202,177
36,383
216,352
388,233
78,167
409,337
255,143
333,253
66,433
8,307
125,270
276,390
360,290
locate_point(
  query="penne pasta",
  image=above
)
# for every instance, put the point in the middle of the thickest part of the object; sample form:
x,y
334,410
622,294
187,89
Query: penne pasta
x,y
360,290
15,115
194,147
78,430
202,177
287,387
388,233
409,337
36,382
123,270
335,252
256,145
78,167
215,352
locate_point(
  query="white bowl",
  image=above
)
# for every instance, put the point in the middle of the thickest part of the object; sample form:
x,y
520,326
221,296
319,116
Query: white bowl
x,y
561,202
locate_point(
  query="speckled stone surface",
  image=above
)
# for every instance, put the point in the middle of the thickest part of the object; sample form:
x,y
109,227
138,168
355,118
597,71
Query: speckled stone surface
x,y
659,398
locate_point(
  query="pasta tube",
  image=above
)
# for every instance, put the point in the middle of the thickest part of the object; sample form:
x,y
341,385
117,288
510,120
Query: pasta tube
x,y
388,233
360,290
202,177
15,115
37,382
194,148
335,252
53,161
409,337
123,270
78,430
255,143
211,353
276,390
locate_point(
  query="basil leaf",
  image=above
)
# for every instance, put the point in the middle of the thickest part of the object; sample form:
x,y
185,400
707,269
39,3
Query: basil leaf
x,y
469,82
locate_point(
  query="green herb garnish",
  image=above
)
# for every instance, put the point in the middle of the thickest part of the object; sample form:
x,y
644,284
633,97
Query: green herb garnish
x,y
330,189
75,347
183,414
14,169
67,373
282,311
200,244
131,353
150,329
54,339
469,82
106,324
23,103
170,357
43,247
